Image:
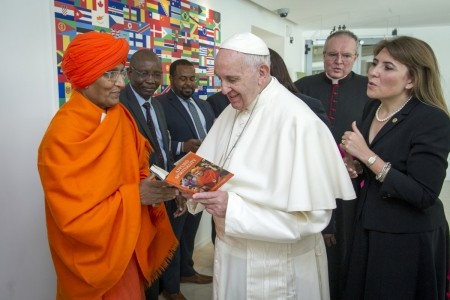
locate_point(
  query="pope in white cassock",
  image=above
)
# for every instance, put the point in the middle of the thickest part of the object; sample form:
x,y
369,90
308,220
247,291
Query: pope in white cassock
x,y
287,174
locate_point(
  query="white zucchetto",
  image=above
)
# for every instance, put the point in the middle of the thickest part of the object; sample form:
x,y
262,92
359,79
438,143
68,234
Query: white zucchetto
x,y
246,43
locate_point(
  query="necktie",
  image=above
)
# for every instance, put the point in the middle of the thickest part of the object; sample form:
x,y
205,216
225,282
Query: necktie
x,y
157,154
198,124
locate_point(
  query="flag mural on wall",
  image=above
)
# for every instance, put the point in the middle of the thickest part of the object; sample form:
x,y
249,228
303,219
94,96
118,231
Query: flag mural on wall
x,y
174,29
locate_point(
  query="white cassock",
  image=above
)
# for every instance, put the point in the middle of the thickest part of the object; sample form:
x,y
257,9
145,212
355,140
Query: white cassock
x,y
287,174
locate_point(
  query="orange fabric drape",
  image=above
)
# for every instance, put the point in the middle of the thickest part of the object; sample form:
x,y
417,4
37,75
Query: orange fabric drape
x,y
90,172
130,286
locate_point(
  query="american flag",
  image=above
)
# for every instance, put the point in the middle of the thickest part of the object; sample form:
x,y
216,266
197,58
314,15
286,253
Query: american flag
x,y
210,71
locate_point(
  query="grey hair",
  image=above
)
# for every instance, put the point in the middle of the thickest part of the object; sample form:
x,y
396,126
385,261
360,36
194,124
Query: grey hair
x,y
256,60
341,33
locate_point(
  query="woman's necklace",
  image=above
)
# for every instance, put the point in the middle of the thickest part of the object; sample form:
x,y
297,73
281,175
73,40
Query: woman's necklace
x,y
226,155
389,116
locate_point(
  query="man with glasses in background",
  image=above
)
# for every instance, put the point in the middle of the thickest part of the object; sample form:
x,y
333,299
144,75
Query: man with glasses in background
x,y
145,75
188,121
343,95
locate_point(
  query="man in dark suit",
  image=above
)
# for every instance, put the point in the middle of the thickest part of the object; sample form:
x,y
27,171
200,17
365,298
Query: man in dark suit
x,y
145,74
188,120
218,102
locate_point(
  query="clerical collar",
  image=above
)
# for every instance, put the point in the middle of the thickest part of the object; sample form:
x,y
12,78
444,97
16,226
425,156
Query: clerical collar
x,y
333,80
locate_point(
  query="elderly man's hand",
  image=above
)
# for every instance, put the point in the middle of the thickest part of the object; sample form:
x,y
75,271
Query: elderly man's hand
x,y
215,202
153,192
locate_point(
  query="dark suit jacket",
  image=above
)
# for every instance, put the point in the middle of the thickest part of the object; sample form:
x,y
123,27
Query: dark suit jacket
x,y
316,106
218,102
179,121
128,99
416,142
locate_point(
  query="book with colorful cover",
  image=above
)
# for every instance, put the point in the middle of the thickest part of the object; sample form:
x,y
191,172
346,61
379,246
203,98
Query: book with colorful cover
x,y
194,174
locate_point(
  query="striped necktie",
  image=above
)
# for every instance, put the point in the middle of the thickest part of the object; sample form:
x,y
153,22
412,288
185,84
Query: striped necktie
x,y
198,124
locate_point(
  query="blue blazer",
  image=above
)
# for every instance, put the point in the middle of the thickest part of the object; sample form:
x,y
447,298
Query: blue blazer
x,y
179,121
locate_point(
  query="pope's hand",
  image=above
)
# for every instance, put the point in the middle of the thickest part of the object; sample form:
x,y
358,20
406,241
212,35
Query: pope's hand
x,y
215,202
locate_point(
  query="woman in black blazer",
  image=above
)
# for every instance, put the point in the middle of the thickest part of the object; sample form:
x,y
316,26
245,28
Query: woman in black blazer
x,y
401,242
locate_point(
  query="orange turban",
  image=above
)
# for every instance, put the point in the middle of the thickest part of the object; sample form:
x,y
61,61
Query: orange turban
x,y
91,54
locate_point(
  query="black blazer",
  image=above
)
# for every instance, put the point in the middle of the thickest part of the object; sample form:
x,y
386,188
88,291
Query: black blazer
x,y
316,106
179,121
128,99
218,102
416,142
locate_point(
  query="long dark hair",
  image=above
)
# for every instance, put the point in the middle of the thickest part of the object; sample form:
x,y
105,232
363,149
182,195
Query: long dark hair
x,y
279,70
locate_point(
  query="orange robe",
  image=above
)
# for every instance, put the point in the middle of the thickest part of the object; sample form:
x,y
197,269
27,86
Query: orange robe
x,y
90,171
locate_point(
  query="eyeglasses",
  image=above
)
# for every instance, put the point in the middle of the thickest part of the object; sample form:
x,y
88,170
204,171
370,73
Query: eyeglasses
x,y
332,56
146,75
113,75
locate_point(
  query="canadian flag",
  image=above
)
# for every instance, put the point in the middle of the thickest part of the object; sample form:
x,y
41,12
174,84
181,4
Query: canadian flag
x,y
101,6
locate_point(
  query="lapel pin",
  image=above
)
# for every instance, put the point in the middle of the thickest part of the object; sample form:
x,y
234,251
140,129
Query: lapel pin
x,y
394,120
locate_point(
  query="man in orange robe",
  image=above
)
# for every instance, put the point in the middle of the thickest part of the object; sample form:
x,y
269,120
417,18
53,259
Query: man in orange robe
x,y
107,233
206,178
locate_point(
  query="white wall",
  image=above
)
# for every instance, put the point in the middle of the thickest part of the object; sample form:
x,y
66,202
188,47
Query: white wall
x,y
248,16
29,100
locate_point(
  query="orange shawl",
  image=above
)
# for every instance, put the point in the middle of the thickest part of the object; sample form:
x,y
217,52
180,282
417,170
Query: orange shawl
x,y
90,172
